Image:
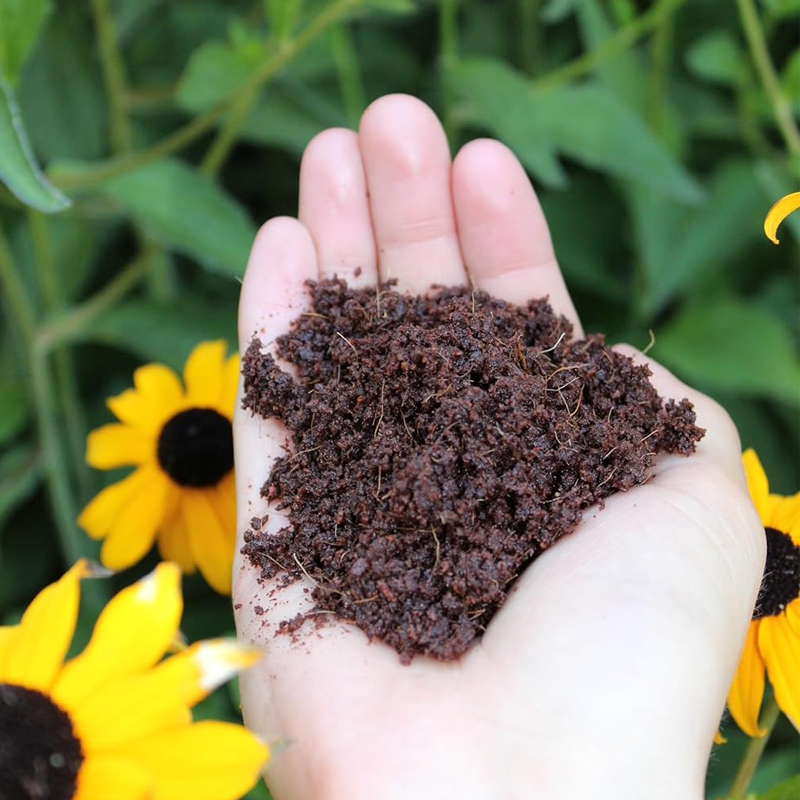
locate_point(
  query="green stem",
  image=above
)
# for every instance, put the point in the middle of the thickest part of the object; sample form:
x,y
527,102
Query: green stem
x,y
752,755
530,39
73,543
766,72
242,99
347,69
72,324
14,289
622,39
113,76
204,123
661,54
448,56
74,420
147,97
228,133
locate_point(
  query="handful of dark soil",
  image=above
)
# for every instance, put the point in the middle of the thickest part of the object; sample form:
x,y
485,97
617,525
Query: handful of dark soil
x,y
440,444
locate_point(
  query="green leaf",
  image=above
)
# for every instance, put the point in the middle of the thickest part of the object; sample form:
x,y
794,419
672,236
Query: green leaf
x,y
14,409
214,71
590,262
788,790
187,212
588,123
782,8
18,168
288,113
392,6
20,472
165,333
790,80
727,344
497,97
681,247
557,10
20,24
718,58
61,77
623,72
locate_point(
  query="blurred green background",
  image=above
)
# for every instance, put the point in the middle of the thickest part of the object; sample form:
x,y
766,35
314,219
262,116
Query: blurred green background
x,y
143,141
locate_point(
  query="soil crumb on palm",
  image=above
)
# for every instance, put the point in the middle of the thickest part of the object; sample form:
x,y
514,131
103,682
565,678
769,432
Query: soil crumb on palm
x,y
440,444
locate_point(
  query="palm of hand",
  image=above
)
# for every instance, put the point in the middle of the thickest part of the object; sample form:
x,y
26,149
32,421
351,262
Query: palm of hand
x,y
621,639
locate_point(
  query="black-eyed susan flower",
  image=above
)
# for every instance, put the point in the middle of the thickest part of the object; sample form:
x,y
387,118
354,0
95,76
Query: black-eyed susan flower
x,y
114,723
778,213
772,645
182,491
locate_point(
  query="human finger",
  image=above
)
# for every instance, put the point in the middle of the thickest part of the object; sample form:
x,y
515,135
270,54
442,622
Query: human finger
x,y
504,236
334,207
407,164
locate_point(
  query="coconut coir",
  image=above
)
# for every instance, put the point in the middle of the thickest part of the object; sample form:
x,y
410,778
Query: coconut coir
x,y
440,444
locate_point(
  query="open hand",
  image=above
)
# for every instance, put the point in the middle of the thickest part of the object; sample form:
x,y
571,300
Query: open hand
x,y
605,673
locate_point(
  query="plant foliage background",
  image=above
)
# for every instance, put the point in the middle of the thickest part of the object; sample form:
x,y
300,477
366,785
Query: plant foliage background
x,y
143,141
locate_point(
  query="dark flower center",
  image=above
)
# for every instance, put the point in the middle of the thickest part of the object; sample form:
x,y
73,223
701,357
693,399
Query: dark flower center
x,y
39,753
196,447
781,583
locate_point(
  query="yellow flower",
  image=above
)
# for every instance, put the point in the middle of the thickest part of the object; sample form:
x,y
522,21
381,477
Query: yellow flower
x,y
114,723
778,214
773,638
182,491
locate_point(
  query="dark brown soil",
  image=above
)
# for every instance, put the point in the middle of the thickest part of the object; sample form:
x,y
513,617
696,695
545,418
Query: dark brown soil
x,y
440,444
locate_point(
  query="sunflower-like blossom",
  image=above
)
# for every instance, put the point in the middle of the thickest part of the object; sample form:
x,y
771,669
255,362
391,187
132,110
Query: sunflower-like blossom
x,y
114,723
181,493
772,646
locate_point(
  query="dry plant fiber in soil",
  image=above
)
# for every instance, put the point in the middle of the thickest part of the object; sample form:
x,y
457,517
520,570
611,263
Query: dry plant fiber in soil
x,y
440,444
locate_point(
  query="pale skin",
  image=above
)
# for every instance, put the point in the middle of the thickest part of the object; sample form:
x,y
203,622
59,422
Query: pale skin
x,y
605,674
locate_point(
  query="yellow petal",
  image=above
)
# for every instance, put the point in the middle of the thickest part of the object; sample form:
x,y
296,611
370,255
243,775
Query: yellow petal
x,y
161,388
793,615
130,708
43,636
138,411
117,445
132,633
747,690
206,665
173,540
223,496
158,396
212,545
203,374
230,385
205,761
111,778
780,647
778,213
101,512
756,482
785,515
7,638
134,530
719,738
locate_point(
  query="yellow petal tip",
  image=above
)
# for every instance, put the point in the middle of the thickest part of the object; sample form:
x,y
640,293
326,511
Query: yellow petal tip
x,y
96,570
218,660
165,577
778,213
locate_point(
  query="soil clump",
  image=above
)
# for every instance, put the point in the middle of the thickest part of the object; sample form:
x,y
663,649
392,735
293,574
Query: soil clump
x,y
440,444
